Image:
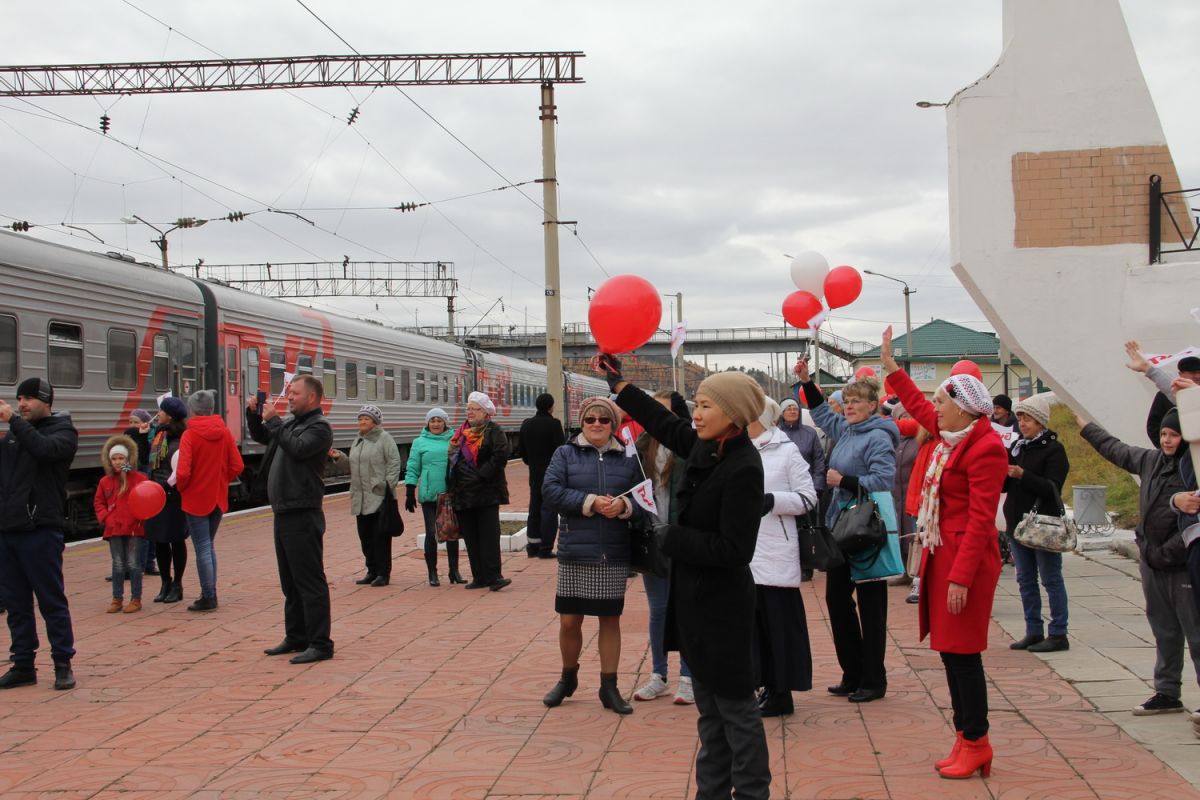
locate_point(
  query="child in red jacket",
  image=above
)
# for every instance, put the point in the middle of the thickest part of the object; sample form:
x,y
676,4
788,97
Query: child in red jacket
x,y
123,531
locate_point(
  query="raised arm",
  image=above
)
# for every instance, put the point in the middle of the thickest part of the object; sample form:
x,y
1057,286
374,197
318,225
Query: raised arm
x,y
671,432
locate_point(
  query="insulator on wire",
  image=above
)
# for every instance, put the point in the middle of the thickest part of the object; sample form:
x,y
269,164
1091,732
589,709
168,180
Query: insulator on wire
x,y
353,116
407,207
235,216
104,123
20,227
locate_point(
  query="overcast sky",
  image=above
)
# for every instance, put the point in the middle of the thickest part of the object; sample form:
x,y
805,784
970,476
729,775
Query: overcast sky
x,y
708,140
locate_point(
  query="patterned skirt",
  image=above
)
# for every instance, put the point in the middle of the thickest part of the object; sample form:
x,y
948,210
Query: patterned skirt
x,y
594,589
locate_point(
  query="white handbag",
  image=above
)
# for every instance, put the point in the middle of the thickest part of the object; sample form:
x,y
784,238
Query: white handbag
x,y
1055,534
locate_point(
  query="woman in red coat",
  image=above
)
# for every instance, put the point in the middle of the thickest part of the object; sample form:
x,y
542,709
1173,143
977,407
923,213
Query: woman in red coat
x,y
961,560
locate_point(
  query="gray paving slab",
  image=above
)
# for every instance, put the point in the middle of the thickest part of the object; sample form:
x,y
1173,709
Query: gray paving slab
x,y
1111,660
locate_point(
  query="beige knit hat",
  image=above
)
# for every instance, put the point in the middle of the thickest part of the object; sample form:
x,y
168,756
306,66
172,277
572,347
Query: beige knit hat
x,y
607,406
1037,406
735,393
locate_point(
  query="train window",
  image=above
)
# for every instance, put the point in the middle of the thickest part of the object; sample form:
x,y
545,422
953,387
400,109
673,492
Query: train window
x,y
372,383
433,387
251,361
389,384
277,368
329,379
64,345
420,387
187,361
8,349
445,389
405,388
304,364
122,359
351,379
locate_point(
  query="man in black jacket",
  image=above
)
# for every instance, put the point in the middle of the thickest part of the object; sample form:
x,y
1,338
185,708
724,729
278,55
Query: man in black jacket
x,y
35,458
295,464
541,435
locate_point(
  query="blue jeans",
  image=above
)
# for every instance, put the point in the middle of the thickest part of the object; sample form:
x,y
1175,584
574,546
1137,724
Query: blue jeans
x,y
1030,564
127,553
203,531
657,591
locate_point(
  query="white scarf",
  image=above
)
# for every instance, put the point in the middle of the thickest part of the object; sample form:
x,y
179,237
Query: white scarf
x,y
928,517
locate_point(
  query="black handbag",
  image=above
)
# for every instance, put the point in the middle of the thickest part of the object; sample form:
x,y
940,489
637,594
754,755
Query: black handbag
x,y
645,551
390,522
817,550
859,527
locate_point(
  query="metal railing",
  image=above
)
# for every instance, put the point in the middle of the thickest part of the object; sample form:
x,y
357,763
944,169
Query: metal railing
x,y
1161,201
577,333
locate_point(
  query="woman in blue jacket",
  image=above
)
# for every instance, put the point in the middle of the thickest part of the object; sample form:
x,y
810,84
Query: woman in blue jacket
x,y
863,457
585,482
428,458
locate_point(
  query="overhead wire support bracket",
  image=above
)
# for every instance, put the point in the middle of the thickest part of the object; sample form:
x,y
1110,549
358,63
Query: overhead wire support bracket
x,y
233,74
337,278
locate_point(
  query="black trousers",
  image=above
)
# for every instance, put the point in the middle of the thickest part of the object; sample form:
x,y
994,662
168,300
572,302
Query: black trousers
x,y
31,566
859,630
429,512
541,525
1193,566
968,693
480,529
733,747
300,554
376,545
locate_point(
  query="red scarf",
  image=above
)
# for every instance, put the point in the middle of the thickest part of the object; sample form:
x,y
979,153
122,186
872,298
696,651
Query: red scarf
x,y
468,441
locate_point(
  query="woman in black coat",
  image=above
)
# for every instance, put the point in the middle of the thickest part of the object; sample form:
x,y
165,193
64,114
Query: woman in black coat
x,y
168,530
1037,470
710,610
477,486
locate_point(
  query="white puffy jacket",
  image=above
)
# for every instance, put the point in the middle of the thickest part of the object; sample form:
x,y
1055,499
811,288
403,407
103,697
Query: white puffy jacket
x,y
776,559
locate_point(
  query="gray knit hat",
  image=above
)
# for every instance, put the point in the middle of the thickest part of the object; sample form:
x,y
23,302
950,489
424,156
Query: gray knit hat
x,y
373,413
202,403
1037,406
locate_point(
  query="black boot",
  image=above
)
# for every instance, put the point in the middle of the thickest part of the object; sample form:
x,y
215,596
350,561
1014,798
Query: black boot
x,y
64,678
776,703
1029,640
166,590
431,565
1051,644
175,594
610,697
23,676
452,563
366,580
565,687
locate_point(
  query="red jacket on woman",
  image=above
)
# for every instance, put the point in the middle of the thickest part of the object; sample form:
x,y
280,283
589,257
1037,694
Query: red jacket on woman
x,y
112,507
208,461
969,554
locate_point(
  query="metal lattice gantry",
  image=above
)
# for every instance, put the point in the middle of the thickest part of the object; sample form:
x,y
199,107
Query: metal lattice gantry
x,y
214,75
332,279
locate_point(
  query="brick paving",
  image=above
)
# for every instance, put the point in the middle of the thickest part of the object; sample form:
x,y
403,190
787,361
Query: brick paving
x,y
435,693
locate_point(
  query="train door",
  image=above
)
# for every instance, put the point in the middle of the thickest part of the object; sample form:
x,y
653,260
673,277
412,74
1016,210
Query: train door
x,y
234,400
471,376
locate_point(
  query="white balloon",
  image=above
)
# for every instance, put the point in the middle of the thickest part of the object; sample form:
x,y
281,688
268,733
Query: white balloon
x,y
808,272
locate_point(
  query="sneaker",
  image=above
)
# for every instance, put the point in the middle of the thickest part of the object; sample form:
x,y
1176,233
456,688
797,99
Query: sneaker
x,y
18,676
655,687
1158,704
684,695
914,594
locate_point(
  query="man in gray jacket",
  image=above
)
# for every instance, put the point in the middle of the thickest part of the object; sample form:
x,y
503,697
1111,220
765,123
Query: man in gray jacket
x,y
295,464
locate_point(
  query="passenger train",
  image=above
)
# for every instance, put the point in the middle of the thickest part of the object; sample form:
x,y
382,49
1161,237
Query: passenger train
x,y
112,336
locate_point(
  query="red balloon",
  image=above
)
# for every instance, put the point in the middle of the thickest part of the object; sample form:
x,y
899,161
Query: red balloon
x,y
843,285
146,500
800,307
624,313
966,367
865,372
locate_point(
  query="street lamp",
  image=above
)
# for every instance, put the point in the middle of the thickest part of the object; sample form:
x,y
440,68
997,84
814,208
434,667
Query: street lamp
x,y
161,241
907,316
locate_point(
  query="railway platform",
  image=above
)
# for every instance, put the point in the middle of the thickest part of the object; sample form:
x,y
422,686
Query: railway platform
x,y
436,693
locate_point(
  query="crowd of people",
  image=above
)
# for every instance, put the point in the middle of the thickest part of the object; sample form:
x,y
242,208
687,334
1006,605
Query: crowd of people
x,y
734,476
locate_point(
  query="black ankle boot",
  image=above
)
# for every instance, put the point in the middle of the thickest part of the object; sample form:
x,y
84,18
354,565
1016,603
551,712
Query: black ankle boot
x,y
565,687
452,563
174,594
610,697
162,594
431,565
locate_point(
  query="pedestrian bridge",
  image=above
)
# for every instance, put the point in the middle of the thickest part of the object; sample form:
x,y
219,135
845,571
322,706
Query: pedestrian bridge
x,y
530,343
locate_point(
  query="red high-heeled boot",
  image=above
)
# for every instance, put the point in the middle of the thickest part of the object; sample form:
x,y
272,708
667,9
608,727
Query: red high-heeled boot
x,y
973,756
950,759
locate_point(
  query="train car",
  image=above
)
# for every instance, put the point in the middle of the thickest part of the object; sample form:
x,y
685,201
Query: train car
x,y
112,336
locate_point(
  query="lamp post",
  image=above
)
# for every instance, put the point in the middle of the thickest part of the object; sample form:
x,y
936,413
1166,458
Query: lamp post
x,y
678,373
161,241
907,316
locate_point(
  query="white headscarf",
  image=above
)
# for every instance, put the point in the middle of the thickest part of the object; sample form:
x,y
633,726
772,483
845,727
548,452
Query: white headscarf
x,y
969,394
483,401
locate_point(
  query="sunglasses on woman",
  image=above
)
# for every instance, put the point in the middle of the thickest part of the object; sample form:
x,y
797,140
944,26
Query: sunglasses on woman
x,y
596,420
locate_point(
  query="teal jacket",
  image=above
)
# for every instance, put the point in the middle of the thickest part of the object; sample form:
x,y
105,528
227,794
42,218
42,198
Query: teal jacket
x,y
427,461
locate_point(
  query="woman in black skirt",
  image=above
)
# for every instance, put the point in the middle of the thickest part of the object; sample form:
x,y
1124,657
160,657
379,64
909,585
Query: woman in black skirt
x,y
584,483
168,530
782,654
